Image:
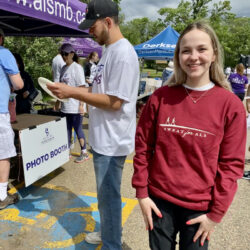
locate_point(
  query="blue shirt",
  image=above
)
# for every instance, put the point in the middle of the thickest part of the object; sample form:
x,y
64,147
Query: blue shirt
x,y
8,66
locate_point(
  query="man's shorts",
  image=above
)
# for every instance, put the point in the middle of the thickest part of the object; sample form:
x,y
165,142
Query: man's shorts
x,y
7,147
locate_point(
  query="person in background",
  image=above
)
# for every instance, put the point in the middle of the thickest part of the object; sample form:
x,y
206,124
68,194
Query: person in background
x,y
90,66
9,77
72,74
239,81
23,102
112,115
57,64
167,72
227,71
190,146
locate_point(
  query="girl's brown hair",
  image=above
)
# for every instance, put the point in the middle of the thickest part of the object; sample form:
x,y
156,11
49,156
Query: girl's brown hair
x,y
240,69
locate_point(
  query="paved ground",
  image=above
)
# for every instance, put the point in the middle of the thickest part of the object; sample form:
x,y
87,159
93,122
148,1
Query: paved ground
x,y
58,211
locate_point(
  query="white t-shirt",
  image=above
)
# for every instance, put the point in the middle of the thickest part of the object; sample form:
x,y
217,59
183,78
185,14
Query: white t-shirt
x,y
57,64
72,75
112,132
92,72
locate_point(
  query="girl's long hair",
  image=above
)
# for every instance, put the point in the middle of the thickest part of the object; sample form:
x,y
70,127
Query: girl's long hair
x,y
240,69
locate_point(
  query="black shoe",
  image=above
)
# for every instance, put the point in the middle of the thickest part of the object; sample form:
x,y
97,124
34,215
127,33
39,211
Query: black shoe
x,y
246,175
9,200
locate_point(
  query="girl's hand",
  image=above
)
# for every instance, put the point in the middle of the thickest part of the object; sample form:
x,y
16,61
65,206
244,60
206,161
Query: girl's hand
x,y
205,229
147,205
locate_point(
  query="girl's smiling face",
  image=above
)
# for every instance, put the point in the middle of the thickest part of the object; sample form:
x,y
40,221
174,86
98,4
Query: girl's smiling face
x,y
195,57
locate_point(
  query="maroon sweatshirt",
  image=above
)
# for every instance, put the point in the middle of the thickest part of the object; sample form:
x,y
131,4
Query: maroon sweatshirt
x,y
191,154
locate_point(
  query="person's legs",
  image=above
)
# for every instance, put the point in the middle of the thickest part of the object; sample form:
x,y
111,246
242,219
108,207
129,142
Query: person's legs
x,y
7,150
187,232
4,170
108,171
69,122
163,235
77,125
4,176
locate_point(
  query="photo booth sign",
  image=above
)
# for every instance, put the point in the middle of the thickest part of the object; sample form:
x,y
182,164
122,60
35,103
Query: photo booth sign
x,y
44,149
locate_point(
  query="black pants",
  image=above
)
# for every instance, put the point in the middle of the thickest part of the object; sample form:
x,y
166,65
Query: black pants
x,y
241,96
163,236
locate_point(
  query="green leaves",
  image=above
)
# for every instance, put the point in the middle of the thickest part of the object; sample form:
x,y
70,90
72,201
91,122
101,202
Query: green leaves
x,y
37,54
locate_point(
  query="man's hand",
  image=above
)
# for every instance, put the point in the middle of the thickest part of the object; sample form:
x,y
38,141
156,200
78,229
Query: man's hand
x,y
147,205
81,109
205,229
60,90
26,94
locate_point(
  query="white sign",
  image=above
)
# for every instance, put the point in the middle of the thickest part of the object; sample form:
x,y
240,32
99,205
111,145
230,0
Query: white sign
x,y
44,149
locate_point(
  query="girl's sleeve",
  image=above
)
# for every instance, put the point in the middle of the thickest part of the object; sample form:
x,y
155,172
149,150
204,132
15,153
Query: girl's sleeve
x,y
231,162
144,147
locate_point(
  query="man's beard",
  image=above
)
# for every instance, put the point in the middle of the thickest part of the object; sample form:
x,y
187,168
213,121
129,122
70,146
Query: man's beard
x,y
103,37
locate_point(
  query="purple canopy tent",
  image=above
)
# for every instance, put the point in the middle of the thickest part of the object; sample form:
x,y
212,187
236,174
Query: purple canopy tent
x,y
84,46
42,18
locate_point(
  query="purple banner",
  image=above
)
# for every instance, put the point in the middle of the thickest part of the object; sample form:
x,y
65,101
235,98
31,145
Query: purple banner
x,y
84,46
67,13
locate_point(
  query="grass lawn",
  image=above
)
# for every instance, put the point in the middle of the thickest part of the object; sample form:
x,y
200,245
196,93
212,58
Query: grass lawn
x,y
152,73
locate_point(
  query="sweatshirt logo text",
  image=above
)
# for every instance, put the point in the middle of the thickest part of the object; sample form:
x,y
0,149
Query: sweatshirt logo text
x,y
171,126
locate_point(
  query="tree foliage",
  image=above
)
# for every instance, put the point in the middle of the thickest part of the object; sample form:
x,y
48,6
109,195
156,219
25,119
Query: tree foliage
x,y
141,29
233,32
37,54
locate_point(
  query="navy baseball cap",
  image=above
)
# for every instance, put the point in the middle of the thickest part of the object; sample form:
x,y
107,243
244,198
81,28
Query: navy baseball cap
x,y
97,9
67,47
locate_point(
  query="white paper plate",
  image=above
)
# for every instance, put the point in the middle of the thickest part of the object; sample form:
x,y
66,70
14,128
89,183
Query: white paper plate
x,y
42,82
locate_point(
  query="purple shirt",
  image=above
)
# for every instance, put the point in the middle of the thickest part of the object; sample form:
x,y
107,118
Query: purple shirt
x,y
238,83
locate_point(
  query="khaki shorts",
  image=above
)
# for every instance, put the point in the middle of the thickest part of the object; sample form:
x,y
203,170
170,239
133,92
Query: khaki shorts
x,y
7,147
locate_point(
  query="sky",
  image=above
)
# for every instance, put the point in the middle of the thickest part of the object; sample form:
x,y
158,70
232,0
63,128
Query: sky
x,y
148,8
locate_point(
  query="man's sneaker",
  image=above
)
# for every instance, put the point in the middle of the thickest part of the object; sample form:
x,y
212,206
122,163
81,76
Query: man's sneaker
x,y
83,157
246,175
9,200
93,238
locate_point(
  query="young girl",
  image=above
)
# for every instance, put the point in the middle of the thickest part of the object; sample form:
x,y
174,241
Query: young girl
x,y
73,75
190,146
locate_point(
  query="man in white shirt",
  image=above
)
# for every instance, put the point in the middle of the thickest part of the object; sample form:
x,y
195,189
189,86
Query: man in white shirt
x,y
112,115
57,64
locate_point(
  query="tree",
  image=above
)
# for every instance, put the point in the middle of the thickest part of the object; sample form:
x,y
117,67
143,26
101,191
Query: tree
x,y
233,32
37,54
187,12
235,39
140,30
